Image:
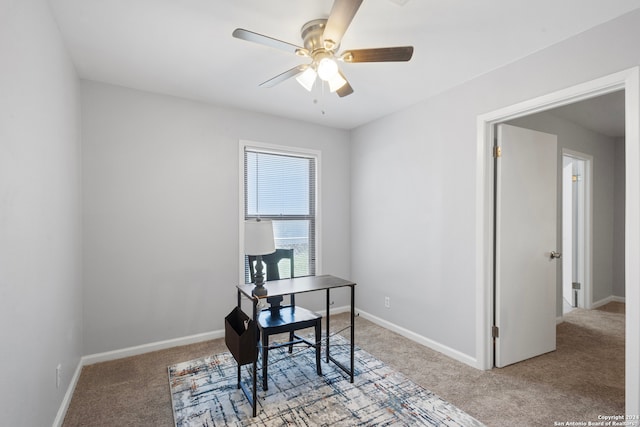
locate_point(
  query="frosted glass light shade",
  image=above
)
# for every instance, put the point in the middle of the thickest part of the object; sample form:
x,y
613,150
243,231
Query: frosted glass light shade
x,y
336,82
258,237
307,78
327,69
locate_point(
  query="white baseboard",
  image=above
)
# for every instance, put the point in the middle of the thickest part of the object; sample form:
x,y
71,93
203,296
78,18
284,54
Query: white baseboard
x,y
192,339
175,342
607,300
433,345
154,346
596,304
334,310
126,352
62,411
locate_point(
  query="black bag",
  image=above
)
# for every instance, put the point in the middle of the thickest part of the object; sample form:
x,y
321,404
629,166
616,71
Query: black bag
x,y
240,336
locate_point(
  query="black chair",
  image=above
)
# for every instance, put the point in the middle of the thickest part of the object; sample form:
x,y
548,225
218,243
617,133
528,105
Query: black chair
x,y
279,318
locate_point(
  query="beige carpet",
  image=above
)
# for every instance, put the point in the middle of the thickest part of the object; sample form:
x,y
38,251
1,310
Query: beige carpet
x,y
584,378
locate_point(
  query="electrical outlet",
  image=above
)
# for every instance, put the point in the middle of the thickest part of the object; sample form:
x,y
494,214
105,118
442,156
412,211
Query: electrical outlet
x,y
58,375
387,302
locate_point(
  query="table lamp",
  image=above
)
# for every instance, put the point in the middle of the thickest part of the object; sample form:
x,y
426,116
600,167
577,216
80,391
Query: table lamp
x,y
258,241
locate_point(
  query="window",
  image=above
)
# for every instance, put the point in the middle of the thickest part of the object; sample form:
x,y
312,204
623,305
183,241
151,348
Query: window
x,y
281,186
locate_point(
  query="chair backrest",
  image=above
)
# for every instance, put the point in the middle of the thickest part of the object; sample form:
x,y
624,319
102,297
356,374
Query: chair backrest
x,y
271,261
272,272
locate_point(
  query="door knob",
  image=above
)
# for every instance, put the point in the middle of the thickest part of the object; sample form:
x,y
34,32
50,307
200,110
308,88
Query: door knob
x,y
555,254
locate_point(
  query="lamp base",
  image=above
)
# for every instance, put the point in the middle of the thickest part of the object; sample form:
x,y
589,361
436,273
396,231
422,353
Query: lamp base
x,y
259,290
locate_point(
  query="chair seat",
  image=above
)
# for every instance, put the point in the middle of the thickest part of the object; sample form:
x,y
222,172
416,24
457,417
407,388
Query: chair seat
x,y
287,318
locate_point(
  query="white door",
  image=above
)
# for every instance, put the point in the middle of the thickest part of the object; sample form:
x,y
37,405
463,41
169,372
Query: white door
x,y
525,243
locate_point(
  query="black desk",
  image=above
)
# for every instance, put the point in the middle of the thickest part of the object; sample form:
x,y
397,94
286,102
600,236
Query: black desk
x,y
298,285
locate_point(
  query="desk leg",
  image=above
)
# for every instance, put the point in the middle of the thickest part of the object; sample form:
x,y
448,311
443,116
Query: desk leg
x,y
255,360
352,328
328,331
239,366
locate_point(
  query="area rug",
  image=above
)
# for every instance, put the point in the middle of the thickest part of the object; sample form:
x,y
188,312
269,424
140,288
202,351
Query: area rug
x,y
204,394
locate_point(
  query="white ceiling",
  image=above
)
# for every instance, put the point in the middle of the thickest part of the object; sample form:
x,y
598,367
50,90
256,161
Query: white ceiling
x,y
185,48
604,114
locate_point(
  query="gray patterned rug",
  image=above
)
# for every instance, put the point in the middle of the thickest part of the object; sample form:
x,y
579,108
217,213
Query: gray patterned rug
x,y
204,393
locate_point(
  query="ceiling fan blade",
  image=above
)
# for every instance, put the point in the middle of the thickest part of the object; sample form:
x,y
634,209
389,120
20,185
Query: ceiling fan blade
x,y
341,15
284,76
382,54
250,36
346,89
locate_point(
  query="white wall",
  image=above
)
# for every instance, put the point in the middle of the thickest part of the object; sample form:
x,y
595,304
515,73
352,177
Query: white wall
x,y
40,260
413,185
602,148
161,221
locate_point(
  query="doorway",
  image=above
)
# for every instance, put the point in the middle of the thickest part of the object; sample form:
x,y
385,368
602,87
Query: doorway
x,y
629,81
576,212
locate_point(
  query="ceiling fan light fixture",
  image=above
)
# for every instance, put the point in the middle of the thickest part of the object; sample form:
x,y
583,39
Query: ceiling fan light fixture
x,y
321,40
307,78
327,69
336,82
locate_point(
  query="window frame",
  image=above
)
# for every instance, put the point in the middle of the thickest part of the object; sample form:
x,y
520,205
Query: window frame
x,y
287,151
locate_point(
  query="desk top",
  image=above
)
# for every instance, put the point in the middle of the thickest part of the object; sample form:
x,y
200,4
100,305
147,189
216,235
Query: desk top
x,y
296,285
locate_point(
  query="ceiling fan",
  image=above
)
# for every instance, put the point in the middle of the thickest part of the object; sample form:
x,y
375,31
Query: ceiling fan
x,y
321,39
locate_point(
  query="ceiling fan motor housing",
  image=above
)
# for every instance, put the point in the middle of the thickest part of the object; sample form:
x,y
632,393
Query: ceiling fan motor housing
x,y
312,33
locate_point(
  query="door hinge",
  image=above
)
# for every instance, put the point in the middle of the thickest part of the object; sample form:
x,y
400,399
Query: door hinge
x,y
497,151
495,332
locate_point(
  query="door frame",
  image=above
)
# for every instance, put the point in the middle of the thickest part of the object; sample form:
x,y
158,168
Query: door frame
x,y
629,81
587,231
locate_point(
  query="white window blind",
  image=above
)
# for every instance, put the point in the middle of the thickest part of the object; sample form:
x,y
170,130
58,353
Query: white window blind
x,y
282,187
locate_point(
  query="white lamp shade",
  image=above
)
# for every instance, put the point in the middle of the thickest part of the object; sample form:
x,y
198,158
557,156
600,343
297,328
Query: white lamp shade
x,y
327,68
258,237
307,78
336,82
